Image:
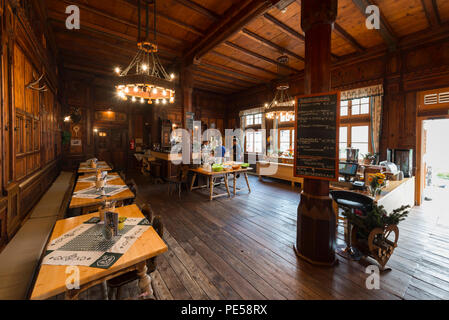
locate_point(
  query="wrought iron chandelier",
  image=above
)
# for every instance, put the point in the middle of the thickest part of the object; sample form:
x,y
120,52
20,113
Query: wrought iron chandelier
x,y
282,101
145,79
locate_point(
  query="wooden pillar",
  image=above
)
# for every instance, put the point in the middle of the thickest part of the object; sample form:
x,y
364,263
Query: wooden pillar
x,y
316,226
187,90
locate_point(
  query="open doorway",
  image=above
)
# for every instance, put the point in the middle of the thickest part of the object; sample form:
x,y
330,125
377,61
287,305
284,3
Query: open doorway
x,y
436,163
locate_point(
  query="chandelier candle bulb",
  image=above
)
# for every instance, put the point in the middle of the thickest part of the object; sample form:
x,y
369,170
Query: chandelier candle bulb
x,y
136,89
154,91
133,99
142,100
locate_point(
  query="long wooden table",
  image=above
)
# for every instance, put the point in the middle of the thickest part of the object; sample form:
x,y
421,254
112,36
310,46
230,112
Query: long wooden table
x,y
212,175
51,279
82,202
101,165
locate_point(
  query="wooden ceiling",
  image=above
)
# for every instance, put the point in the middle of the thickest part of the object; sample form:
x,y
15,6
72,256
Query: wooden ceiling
x,y
234,44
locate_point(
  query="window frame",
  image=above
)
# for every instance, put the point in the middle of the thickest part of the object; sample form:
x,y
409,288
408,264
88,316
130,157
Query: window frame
x,y
291,134
252,133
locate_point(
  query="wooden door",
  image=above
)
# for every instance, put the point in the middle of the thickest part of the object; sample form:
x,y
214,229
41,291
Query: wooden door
x,y
111,145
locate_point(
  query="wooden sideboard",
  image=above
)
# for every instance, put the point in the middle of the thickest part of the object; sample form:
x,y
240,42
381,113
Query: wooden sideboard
x,y
282,171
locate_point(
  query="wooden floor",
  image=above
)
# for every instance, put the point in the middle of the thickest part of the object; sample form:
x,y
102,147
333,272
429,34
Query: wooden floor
x,y
241,248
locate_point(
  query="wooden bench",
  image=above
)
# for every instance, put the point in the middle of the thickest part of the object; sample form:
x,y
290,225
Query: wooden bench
x,y
21,256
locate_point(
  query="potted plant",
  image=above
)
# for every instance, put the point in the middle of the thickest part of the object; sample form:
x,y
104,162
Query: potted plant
x,y
371,232
375,183
369,158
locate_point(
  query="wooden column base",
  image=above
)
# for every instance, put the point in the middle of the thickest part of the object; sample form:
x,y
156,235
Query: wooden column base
x,y
315,240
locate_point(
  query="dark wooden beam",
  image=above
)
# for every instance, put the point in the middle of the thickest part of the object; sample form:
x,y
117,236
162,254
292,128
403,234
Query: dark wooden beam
x,y
270,44
232,21
199,9
292,32
258,56
431,9
350,39
243,63
170,20
283,27
128,23
220,75
231,71
385,31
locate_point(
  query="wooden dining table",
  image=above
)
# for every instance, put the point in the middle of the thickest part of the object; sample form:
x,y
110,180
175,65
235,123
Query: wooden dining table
x,y
101,165
212,175
84,202
51,279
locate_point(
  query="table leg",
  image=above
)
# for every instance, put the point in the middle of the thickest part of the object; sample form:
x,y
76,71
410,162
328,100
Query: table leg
x,y
235,184
72,294
104,290
193,181
211,187
144,279
227,185
247,182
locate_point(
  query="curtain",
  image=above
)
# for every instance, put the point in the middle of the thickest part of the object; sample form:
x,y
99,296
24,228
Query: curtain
x,y
376,122
375,93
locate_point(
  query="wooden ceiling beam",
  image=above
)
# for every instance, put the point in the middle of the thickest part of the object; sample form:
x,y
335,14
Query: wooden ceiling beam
x,y
243,63
120,20
169,19
283,27
232,71
232,21
223,76
431,9
350,39
199,9
385,31
258,56
270,44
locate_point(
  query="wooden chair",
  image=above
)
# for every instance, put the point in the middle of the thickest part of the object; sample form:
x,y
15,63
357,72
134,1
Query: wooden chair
x,y
115,285
133,187
179,181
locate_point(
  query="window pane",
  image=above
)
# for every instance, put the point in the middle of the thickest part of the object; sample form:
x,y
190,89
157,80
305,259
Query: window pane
x,y
355,101
249,142
284,140
249,120
258,118
344,134
343,146
364,109
355,110
344,111
258,142
344,103
364,100
359,134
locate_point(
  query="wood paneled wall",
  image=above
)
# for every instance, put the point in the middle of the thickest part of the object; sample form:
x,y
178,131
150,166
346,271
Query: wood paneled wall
x,y
31,119
403,73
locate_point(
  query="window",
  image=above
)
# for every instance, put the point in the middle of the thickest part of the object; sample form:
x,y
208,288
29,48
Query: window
x,y
360,139
343,141
250,120
286,139
354,136
355,107
253,119
254,141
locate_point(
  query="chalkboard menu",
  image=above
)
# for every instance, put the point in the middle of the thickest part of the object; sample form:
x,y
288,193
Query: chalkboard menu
x,y
317,128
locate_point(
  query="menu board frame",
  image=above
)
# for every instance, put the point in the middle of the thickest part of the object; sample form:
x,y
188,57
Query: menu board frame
x,y
337,135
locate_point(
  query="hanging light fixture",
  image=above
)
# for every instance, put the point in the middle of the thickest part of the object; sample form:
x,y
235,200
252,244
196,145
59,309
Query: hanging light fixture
x,y
145,77
282,100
